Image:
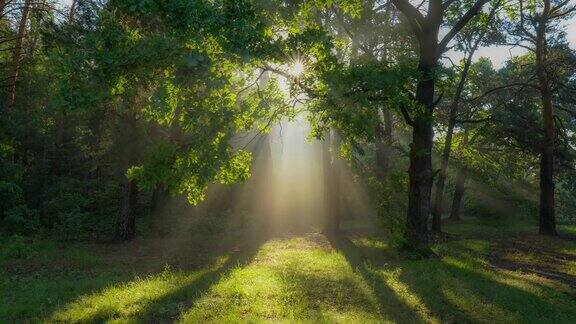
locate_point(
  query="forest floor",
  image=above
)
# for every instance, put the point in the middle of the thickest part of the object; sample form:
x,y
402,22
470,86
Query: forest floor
x,y
481,274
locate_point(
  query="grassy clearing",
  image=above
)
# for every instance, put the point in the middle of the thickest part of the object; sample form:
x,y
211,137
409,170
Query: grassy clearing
x,y
476,278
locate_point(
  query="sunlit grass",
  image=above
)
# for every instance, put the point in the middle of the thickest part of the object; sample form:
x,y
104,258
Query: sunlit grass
x,y
126,301
300,279
289,280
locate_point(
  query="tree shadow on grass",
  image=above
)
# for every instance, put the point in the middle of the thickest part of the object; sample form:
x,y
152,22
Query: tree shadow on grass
x,y
201,245
366,260
170,306
457,291
157,298
455,288
329,295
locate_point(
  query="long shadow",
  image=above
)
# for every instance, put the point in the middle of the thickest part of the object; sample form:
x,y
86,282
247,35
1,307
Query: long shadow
x,y
187,295
363,260
454,293
168,307
537,255
313,290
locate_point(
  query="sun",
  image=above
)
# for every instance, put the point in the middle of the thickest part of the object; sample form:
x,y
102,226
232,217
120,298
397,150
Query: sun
x,y
297,68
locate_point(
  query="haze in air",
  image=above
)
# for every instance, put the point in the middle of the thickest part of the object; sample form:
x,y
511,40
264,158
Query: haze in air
x,y
287,161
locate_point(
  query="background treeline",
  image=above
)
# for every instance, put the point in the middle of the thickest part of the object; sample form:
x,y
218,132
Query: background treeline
x,y
111,105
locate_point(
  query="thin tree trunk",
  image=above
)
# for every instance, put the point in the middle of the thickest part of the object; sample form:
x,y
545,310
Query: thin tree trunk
x,y
547,208
2,8
461,176
331,184
72,11
61,114
126,220
158,195
388,127
382,162
328,202
439,199
17,56
458,194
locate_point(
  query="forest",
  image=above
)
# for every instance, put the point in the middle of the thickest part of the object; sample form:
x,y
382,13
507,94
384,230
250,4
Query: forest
x,y
299,161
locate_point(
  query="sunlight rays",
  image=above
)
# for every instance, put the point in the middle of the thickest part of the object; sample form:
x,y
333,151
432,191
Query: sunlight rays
x,y
297,68
296,185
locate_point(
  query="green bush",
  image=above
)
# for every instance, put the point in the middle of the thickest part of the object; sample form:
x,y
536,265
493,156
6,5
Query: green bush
x,y
20,220
17,247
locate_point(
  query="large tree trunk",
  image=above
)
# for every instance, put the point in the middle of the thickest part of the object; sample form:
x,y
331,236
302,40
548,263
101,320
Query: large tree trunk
x,y
547,211
17,56
420,185
440,183
126,220
420,172
426,29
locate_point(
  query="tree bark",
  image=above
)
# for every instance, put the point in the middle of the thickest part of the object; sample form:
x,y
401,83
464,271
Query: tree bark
x,y
126,220
440,183
2,8
158,196
458,194
420,171
383,138
547,208
426,29
72,11
17,56
461,176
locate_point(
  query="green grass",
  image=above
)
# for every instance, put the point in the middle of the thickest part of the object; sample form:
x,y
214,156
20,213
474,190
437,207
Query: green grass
x,y
356,279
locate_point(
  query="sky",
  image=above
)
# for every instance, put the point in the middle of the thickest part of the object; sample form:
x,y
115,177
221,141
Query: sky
x,y
500,54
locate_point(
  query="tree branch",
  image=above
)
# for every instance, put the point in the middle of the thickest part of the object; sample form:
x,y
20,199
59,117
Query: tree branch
x,y
414,16
473,11
406,115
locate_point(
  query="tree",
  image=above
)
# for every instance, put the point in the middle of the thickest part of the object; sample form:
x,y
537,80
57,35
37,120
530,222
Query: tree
x,y
536,28
468,41
332,165
460,187
188,84
426,30
17,56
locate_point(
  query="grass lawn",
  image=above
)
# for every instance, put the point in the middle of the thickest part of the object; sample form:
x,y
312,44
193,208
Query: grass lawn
x,y
481,274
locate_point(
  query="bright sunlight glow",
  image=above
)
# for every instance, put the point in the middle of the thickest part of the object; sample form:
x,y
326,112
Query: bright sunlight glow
x,y
297,68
